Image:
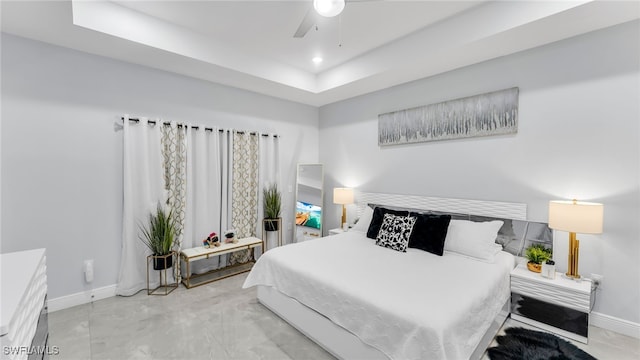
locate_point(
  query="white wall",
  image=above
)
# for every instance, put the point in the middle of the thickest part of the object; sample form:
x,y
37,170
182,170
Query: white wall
x,y
62,158
578,137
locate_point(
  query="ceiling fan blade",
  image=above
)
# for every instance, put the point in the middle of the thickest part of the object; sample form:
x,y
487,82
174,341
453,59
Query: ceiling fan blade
x,y
307,22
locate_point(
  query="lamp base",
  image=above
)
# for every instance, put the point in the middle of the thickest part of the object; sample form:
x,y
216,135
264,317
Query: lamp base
x,y
574,250
572,277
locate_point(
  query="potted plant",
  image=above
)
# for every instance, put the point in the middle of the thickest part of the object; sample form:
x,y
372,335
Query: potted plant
x,y
537,254
159,236
271,205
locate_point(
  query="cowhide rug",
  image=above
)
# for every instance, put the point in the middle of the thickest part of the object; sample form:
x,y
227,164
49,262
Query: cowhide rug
x,y
525,344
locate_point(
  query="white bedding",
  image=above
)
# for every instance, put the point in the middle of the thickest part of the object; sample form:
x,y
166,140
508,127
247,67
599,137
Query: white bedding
x,y
411,305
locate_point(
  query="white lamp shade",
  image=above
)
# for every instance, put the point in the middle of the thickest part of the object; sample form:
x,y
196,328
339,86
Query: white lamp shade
x,y
328,8
575,216
343,196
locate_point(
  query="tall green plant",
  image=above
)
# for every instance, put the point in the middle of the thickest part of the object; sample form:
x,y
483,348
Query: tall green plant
x,y
160,233
272,201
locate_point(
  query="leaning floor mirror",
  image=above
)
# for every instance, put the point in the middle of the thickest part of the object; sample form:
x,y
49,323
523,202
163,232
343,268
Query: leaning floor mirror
x,y
309,196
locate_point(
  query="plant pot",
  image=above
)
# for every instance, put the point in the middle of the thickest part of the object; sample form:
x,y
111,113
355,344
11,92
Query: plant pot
x,y
534,267
161,262
271,225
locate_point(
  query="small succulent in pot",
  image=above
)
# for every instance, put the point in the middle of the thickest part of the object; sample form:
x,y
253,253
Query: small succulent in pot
x,y
537,254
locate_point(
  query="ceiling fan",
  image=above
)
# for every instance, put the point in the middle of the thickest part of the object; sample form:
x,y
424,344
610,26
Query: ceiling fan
x,y
326,8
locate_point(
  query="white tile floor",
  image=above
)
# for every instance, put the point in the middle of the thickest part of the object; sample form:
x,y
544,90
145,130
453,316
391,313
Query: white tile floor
x,y
215,321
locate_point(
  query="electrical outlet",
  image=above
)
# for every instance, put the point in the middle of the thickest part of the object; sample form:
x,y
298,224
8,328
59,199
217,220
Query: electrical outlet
x,y
88,270
597,279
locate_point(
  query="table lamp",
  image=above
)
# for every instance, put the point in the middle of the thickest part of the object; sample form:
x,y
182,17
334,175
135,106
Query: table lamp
x,y
343,196
575,217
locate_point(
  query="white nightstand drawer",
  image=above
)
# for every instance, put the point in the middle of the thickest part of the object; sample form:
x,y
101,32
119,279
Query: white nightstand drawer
x,y
545,291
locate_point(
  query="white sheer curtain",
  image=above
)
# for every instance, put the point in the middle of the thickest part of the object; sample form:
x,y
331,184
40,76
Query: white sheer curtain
x,y
269,173
143,184
206,195
226,185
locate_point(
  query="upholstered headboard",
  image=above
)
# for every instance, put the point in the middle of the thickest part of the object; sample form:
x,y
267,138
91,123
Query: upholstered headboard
x,y
515,235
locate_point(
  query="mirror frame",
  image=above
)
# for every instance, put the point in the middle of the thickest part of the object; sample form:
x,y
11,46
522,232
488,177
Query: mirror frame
x,y
321,202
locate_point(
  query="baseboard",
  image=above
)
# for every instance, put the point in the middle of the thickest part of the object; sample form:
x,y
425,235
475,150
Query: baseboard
x,y
84,297
615,324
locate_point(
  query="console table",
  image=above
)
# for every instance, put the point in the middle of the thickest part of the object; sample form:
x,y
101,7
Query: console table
x,y
200,252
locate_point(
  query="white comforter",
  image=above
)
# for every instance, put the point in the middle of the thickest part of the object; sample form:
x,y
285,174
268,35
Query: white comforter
x,y
411,305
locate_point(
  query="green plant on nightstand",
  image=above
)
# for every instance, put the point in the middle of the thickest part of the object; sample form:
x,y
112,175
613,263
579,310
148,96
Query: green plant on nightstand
x,y
537,254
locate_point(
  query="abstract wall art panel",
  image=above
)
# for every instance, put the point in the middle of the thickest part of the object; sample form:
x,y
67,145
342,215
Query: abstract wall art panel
x,y
494,113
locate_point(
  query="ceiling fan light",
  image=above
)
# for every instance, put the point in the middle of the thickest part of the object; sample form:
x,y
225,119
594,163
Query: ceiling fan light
x,y
328,8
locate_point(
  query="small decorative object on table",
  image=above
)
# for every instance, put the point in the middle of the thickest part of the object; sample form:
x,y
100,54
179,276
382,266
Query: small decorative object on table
x,y
549,269
230,236
211,241
537,254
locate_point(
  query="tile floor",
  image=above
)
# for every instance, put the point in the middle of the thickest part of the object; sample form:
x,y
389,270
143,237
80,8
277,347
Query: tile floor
x,y
215,321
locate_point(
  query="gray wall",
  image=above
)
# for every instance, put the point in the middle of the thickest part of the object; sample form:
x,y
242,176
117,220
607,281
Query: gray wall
x,y
578,137
62,159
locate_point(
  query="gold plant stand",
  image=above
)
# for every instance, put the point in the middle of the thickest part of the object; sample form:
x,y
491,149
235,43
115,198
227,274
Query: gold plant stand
x,y
164,288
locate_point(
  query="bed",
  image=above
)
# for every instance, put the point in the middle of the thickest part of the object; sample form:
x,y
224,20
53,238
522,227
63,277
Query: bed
x,y
363,301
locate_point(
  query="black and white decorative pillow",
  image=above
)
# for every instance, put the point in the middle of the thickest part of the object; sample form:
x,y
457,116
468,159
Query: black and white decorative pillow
x,y
395,232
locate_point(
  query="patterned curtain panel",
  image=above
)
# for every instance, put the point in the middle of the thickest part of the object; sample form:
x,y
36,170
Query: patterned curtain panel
x,y
174,155
245,190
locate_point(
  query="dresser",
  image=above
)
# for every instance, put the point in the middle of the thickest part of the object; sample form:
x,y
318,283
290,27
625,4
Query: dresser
x,y
24,330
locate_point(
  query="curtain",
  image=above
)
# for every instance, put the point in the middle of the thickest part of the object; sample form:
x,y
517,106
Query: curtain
x,y
226,185
174,155
269,174
204,210
211,179
143,190
244,207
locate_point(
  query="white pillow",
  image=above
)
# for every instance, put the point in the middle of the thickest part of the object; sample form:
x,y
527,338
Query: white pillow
x,y
365,220
473,239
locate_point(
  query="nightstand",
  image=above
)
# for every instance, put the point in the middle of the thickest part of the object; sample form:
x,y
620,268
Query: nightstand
x,y
335,231
559,305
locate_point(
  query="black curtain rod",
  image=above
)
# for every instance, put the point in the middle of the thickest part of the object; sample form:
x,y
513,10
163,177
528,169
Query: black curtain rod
x,y
193,127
